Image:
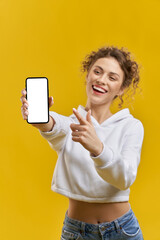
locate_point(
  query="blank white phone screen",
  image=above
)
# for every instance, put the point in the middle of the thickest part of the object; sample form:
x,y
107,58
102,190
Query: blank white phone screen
x,y
37,97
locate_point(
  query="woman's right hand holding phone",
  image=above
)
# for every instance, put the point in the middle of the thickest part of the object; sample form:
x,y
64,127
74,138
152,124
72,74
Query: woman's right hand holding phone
x,y
45,127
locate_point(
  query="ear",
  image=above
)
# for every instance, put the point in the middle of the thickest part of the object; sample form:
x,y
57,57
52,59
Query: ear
x,y
120,92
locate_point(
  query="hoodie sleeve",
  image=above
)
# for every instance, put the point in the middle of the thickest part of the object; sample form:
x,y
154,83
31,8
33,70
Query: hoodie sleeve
x,y
56,137
120,168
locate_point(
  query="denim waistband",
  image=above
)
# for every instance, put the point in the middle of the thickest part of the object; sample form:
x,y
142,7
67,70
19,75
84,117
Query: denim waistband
x,y
115,224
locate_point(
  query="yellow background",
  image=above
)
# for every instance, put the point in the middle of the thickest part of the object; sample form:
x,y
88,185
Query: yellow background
x,y
51,38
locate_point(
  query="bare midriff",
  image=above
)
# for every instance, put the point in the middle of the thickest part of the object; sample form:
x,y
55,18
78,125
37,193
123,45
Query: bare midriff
x,y
95,213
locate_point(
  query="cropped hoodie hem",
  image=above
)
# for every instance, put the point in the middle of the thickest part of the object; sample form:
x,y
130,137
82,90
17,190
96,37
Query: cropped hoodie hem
x,y
88,199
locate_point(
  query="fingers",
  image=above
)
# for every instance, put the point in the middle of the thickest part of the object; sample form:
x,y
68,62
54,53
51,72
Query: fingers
x,y
24,92
23,97
79,117
24,107
78,127
78,134
25,112
88,117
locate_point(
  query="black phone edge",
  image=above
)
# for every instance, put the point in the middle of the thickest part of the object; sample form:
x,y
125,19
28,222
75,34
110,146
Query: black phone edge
x,y
47,99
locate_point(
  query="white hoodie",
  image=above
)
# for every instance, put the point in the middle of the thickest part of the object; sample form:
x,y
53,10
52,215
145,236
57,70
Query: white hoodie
x,y
106,177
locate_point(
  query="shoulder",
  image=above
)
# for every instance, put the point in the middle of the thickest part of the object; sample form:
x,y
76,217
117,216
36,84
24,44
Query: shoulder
x,y
138,126
132,125
137,123
132,121
135,129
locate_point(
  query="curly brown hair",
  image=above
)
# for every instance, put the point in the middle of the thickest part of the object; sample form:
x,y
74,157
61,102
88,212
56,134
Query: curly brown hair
x,y
129,66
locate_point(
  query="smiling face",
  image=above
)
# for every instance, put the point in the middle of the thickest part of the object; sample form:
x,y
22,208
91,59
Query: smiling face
x,y
107,74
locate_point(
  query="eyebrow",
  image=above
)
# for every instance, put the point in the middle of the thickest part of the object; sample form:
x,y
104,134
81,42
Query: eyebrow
x,y
110,72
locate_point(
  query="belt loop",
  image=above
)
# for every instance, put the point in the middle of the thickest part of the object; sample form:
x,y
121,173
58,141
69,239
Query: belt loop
x,y
117,226
82,231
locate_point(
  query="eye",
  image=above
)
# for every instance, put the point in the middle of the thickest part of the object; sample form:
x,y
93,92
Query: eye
x,y
96,71
112,78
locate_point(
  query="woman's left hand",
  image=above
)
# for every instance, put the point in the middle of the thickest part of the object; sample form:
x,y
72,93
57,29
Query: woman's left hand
x,y
85,134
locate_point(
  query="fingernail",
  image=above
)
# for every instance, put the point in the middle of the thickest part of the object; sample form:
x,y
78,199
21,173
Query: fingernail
x,y
74,110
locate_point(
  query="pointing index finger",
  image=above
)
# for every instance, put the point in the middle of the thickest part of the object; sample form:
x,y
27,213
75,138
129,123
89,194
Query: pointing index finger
x,y
79,117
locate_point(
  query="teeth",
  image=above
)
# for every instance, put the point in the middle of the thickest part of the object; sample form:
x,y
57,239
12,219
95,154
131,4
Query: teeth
x,y
99,89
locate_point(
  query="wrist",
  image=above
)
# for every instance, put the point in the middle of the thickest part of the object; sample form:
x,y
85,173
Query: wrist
x,y
46,127
98,151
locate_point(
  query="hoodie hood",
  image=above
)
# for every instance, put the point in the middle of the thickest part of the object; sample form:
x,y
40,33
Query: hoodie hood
x,y
115,118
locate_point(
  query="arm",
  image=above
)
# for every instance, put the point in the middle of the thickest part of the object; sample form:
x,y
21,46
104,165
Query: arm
x,y
57,135
46,127
55,130
120,168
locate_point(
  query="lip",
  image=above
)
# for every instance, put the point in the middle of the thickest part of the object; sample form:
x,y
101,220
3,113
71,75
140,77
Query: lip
x,y
98,93
100,87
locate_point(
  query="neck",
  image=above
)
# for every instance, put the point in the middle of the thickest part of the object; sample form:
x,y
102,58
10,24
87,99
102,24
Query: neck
x,y
99,112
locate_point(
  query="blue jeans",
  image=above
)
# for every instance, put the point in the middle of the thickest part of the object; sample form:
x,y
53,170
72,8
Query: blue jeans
x,y
124,227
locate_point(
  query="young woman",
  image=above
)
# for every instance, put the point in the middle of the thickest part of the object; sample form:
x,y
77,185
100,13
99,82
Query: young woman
x,y
98,152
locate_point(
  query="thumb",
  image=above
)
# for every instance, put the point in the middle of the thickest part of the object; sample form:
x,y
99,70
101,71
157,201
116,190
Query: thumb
x,y
88,116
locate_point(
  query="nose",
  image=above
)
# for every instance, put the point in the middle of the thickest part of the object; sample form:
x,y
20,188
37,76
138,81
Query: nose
x,y
102,79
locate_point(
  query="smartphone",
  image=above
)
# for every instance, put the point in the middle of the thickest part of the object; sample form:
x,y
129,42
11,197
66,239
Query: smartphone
x,y
37,97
